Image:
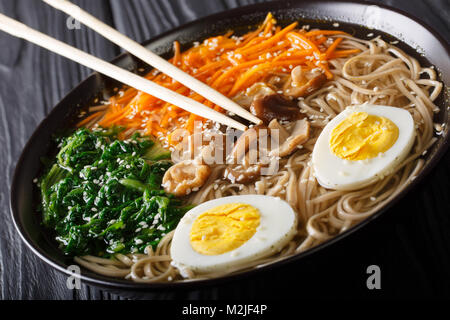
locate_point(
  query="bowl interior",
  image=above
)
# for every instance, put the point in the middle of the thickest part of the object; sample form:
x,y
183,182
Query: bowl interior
x,y
356,18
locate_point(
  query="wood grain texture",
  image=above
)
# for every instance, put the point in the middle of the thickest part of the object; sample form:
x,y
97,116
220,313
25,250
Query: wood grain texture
x,y
413,250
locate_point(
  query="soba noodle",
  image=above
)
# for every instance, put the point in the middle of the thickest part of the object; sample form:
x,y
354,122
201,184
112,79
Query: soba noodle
x,y
381,74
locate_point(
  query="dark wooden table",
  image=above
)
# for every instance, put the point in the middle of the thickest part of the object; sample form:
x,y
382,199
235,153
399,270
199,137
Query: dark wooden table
x,y
412,249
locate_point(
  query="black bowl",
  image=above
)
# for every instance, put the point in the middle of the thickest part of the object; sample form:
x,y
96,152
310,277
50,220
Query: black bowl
x,y
357,18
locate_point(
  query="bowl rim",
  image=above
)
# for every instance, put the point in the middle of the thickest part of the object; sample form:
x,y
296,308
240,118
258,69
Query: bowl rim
x,y
121,284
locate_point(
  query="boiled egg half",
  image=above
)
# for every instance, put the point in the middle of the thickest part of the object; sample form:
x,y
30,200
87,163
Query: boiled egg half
x,y
229,232
361,145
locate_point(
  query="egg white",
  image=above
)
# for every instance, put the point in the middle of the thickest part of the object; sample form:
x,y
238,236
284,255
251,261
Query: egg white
x,y
278,225
333,172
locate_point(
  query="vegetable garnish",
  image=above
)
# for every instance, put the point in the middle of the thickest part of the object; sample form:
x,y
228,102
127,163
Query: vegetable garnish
x,y
103,195
228,63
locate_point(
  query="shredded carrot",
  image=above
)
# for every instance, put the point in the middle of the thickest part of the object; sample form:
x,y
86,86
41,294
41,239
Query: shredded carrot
x,y
268,27
320,40
249,36
270,41
88,119
333,47
177,56
228,63
300,41
254,74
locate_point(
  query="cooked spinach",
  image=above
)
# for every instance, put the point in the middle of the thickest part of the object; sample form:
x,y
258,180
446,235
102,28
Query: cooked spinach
x,y
102,195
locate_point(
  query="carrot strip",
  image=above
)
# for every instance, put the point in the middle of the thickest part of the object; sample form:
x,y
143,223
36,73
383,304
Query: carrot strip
x,y
255,33
177,56
272,40
333,47
251,74
227,74
88,119
299,39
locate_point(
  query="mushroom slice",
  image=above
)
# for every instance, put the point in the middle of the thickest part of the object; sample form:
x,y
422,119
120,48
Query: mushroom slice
x,y
184,177
303,85
197,145
283,134
245,98
214,153
249,170
274,106
289,142
242,173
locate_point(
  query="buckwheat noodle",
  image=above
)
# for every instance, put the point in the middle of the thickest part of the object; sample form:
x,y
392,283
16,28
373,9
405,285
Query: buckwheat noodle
x,y
381,74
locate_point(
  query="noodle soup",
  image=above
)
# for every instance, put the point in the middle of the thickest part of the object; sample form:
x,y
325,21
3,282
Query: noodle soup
x,y
366,104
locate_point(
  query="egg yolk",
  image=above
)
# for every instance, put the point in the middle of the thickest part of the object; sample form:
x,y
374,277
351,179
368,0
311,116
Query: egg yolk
x,y
224,228
363,136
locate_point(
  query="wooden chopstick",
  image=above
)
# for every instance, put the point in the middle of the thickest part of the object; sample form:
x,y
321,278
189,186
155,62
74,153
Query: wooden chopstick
x,y
20,30
154,60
